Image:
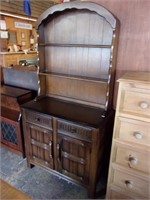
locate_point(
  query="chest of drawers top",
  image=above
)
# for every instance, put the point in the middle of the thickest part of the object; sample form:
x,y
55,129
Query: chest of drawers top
x,y
136,77
134,96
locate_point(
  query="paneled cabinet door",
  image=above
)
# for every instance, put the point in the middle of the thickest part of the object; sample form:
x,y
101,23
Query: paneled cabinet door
x,y
40,146
73,157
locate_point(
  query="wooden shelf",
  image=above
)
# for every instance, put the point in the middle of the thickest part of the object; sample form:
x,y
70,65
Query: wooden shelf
x,y
75,45
69,76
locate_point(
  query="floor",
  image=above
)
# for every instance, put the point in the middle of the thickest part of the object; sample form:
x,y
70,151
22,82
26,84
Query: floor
x,y
36,182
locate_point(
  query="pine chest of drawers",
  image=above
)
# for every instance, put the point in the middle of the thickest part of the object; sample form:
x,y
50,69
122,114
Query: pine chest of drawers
x,y
129,170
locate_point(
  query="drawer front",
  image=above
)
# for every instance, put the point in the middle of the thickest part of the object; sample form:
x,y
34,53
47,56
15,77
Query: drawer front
x,y
133,131
131,184
74,130
39,119
10,102
133,160
135,101
117,195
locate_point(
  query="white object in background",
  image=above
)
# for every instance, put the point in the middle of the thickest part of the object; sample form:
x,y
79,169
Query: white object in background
x,y
31,39
23,25
2,25
3,34
25,51
15,48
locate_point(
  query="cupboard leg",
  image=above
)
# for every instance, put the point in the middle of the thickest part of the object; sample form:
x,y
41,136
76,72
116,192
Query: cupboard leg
x,y
30,165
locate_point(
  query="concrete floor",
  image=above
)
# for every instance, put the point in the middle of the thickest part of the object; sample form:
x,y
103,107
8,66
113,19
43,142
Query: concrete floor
x,y
36,182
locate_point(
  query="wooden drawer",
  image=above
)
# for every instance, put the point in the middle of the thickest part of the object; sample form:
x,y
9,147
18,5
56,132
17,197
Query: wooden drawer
x,y
131,130
10,102
135,101
131,184
117,195
133,159
74,130
39,119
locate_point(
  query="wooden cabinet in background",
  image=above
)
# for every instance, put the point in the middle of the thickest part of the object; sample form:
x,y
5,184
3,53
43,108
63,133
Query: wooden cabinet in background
x,y
11,134
68,128
129,170
8,59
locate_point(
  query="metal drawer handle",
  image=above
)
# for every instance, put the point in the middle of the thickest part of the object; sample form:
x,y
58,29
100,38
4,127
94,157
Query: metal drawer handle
x,y
133,160
73,130
50,150
129,184
58,152
37,119
138,135
143,104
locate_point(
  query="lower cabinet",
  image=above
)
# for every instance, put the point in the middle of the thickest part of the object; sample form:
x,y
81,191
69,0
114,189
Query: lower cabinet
x,y
73,158
39,146
70,150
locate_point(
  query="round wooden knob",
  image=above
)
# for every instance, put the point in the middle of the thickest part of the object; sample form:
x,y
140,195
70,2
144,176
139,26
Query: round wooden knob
x,y
129,184
138,135
133,160
143,104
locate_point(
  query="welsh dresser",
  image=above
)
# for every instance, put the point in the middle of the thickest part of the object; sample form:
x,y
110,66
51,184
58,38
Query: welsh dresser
x,y
68,125
129,170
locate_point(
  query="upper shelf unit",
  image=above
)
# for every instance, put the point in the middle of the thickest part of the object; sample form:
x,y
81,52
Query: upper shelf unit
x,y
77,41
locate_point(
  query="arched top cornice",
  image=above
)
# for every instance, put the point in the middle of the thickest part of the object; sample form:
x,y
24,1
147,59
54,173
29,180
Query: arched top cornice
x,y
93,7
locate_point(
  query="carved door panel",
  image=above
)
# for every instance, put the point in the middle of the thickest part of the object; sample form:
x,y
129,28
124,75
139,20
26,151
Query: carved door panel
x,y
40,146
73,157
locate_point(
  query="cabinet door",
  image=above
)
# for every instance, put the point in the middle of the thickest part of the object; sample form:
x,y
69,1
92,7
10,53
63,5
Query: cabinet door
x,y
40,146
73,158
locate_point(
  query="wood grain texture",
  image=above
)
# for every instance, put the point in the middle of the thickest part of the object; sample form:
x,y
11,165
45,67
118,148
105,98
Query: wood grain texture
x,y
133,50
134,37
9,192
130,152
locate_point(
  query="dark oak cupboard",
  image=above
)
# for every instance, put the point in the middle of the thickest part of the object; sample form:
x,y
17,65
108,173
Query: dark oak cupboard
x,y
11,133
68,127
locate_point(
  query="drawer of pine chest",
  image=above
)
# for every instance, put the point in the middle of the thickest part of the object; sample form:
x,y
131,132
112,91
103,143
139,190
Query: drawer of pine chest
x,y
132,159
131,130
135,101
74,130
116,195
39,119
131,183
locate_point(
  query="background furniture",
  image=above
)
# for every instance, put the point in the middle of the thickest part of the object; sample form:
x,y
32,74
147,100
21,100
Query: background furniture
x,y
19,86
129,175
66,129
11,130
8,59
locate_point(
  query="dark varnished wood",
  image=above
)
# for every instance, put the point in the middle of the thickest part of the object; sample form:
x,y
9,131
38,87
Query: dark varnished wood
x,y
11,100
72,119
78,43
67,110
13,97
